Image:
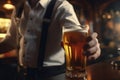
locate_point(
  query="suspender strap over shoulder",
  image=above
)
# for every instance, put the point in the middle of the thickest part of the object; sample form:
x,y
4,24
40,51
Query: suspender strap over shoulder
x,y
44,33
45,26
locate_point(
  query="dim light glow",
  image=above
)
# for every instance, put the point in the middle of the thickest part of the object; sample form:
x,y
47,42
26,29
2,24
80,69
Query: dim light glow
x,y
4,24
109,16
8,5
2,35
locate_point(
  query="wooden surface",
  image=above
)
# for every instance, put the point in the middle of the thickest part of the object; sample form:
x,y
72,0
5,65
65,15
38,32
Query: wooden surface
x,y
98,71
103,71
10,54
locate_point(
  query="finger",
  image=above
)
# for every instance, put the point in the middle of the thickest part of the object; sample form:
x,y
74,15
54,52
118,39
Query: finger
x,y
93,42
94,35
95,55
93,49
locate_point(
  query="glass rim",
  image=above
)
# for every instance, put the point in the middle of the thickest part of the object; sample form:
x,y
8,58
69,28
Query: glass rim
x,y
81,28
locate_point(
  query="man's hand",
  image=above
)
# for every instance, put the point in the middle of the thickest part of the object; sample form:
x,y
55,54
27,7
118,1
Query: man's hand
x,y
93,47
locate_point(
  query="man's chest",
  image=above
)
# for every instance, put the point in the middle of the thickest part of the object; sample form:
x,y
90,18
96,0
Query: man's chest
x,y
31,20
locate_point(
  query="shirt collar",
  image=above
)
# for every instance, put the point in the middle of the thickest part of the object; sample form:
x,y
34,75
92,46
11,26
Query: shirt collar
x,y
44,3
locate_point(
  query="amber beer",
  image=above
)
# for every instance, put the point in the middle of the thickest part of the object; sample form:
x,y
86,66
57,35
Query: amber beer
x,y
73,43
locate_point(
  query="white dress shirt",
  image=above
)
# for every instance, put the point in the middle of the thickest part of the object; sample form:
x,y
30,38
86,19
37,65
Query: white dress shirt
x,y
30,31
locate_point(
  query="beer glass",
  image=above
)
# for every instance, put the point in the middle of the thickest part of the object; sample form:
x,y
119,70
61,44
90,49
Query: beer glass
x,y
74,41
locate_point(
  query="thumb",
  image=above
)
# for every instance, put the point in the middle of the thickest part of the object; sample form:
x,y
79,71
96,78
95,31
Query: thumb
x,y
94,35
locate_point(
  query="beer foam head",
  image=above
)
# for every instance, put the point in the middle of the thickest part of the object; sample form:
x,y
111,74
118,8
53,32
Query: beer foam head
x,y
77,28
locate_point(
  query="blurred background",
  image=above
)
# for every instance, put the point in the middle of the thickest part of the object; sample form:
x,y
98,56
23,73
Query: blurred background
x,y
103,17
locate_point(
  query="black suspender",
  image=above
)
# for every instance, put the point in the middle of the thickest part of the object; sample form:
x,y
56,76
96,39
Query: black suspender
x,y
45,26
19,9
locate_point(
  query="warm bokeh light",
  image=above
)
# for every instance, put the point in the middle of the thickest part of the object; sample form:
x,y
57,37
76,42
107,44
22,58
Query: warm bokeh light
x,y
4,24
8,5
109,16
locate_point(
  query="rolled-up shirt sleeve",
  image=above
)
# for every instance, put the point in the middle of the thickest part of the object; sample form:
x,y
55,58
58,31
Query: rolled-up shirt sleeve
x,y
68,16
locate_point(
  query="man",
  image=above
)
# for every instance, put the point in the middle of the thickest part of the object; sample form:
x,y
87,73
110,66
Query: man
x,y
29,29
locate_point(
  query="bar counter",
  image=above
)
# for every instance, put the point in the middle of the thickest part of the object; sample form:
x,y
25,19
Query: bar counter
x,y
104,70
